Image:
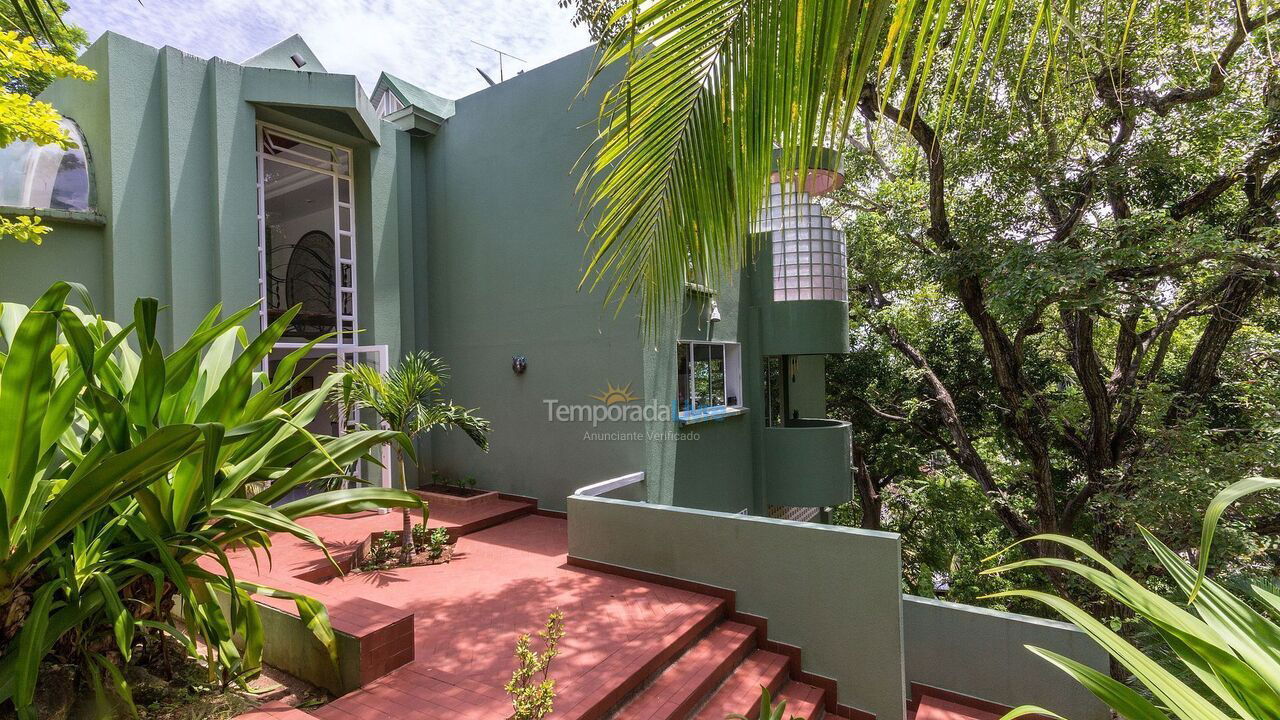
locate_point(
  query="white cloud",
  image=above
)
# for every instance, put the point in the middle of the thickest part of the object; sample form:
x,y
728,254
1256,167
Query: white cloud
x,y
427,42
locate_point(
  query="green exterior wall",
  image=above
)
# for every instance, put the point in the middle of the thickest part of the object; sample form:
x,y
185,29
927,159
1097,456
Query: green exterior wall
x,y
502,259
172,144
940,636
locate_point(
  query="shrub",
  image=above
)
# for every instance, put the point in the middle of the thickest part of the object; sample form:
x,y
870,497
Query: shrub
x,y
531,689
436,543
128,473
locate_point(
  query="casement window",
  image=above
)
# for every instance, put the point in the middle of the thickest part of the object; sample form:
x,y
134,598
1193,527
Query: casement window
x,y
709,378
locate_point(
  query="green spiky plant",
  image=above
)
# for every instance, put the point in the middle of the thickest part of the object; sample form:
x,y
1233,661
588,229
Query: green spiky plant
x,y
125,475
410,400
1232,649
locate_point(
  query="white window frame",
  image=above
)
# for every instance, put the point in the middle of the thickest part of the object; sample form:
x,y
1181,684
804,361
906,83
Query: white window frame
x,y
347,313
732,381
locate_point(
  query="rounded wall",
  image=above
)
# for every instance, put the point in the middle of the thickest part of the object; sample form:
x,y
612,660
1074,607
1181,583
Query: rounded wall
x,y
807,463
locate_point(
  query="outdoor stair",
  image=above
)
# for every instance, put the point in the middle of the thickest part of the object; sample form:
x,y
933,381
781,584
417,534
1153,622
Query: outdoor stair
x,y
802,700
678,688
740,693
718,674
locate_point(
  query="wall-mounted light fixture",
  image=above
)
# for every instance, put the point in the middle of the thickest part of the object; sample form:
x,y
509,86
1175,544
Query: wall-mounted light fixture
x,y
715,311
518,364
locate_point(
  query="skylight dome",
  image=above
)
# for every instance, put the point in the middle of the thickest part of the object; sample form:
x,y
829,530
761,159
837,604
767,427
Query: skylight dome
x,y
46,177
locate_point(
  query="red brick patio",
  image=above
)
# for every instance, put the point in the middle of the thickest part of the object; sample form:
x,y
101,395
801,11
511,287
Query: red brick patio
x,y
633,649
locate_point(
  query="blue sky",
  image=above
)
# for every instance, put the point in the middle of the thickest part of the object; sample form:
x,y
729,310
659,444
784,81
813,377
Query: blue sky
x,y
427,42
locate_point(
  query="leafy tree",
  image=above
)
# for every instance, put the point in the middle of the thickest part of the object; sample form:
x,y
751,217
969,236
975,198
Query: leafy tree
x,y
58,37
596,16
125,476
1104,233
409,399
25,67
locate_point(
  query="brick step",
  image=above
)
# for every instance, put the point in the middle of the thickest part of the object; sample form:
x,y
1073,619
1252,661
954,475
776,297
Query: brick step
x,y
419,691
592,695
740,692
677,689
803,700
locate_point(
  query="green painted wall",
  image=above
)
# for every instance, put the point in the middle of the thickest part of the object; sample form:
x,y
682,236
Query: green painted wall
x,y
502,260
982,653
833,592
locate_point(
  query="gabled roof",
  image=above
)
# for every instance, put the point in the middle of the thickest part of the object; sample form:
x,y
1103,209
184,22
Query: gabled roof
x,y
279,56
411,94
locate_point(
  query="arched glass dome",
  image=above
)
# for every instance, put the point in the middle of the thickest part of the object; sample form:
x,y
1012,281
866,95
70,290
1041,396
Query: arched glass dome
x,y
46,177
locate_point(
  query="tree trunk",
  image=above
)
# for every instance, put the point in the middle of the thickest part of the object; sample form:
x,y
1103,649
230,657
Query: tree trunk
x,y
869,499
406,544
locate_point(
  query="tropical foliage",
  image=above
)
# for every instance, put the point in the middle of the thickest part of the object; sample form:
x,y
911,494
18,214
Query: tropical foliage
x,y
26,67
57,36
125,475
1225,643
410,399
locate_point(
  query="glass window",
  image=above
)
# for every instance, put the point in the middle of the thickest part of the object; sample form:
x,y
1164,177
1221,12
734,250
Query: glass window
x,y
708,376
46,176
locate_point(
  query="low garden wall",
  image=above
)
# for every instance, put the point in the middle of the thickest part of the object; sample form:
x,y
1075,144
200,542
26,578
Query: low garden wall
x,y
981,653
833,592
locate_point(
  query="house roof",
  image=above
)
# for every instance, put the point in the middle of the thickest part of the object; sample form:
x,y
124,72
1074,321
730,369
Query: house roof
x,y
411,94
279,56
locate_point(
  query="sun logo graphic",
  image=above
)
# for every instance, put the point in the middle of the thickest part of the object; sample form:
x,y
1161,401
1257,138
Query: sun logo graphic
x,y
615,395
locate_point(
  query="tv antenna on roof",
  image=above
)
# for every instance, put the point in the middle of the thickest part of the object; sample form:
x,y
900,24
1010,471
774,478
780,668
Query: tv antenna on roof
x,y
501,54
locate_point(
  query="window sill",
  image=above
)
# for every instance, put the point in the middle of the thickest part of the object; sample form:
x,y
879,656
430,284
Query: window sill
x,y
83,217
691,417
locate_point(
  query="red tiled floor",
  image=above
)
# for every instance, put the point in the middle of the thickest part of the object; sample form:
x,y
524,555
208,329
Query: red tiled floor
x,y
503,582
740,693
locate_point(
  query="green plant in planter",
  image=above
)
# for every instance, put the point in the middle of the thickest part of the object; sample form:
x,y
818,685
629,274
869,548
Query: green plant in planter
x,y
437,542
381,548
1233,649
409,398
470,483
126,472
421,534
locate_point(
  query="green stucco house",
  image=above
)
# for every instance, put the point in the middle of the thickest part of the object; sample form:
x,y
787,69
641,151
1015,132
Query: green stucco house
x,y
402,220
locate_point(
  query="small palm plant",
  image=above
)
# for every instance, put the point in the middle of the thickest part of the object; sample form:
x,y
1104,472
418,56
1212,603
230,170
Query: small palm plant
x,y
409,398
1233,649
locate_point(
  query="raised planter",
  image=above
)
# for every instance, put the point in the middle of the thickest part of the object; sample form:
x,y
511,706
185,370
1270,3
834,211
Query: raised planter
x,y
437,499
